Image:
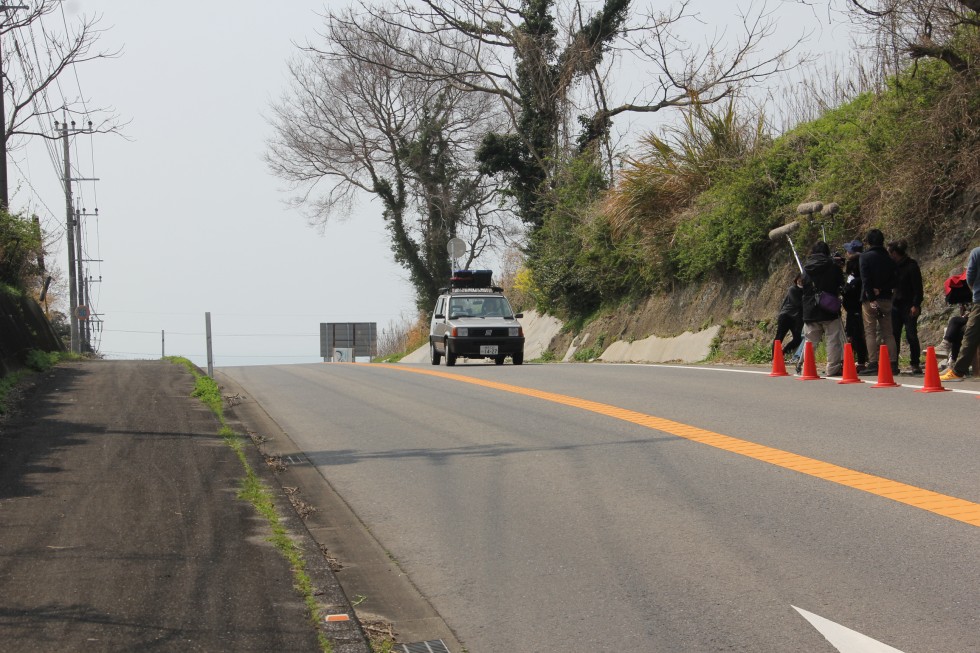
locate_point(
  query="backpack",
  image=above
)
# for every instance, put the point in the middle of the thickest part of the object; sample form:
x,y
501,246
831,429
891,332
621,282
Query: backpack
x,y
957,292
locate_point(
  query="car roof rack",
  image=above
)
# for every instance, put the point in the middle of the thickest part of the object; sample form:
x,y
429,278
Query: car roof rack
x,y
471,291
471,281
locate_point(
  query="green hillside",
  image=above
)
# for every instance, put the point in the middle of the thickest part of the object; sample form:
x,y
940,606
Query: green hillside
x,y
698,203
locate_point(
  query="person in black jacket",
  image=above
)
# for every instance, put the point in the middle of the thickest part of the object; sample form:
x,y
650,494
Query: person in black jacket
x,y
907,301
821,274
878,274
854,326
790,318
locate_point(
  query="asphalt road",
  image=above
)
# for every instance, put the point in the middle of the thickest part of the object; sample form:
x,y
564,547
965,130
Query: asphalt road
x,y
121,528
537,522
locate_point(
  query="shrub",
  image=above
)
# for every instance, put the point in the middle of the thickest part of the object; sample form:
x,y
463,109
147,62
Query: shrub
x,y
20,244
41,361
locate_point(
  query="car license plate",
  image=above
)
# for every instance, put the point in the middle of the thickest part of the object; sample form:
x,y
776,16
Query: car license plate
x,y
488,350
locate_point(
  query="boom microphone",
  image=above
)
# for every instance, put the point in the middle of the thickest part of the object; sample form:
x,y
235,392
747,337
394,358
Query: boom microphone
x,y
830,209
785,230
808,208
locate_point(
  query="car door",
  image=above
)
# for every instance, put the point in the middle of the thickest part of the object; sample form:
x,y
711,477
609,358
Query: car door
x,y
437,329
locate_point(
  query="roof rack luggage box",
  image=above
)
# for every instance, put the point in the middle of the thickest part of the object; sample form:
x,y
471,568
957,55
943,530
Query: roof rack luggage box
x,y
471,279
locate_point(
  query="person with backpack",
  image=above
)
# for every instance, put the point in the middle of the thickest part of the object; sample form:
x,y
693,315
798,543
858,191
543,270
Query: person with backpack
x,y
906,301
878,276
854,324
971,334
822,284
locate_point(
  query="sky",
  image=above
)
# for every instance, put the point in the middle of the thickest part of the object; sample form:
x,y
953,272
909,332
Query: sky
x,y
190,221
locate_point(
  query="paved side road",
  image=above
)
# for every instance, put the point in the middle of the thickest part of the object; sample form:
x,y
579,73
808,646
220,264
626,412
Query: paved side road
x,y
120,528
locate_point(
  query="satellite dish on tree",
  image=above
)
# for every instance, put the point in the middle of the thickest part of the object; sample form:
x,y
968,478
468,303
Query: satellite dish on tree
x,y
456,248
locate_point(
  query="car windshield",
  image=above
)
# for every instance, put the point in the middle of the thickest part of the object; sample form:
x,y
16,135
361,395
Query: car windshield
x,y
494,306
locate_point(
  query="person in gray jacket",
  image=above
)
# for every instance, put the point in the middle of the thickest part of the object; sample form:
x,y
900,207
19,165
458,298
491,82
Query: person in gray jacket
x,y
971,334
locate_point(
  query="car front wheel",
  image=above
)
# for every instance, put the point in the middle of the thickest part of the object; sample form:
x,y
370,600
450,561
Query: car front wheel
x,y
434,356
450,357
518,358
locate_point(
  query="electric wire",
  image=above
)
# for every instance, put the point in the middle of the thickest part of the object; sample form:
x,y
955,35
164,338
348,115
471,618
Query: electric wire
x,y
42,107
59,228
74,170
201,355
221,335
41,97
87,240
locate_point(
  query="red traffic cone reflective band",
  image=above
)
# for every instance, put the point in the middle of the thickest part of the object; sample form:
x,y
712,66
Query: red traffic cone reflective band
x,y
850,374
778,364
932,382
809,364
885,378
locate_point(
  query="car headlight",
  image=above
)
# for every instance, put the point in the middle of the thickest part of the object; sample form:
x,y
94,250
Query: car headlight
x,y
461,332
514,332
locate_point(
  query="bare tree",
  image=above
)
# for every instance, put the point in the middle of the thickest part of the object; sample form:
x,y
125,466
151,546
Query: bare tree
x,y
548,62
352,123
901,31
34,58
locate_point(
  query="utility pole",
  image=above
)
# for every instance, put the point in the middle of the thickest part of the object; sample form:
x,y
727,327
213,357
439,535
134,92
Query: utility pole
x,y
80,277
84,297
4,194
75,275
70,232
92,317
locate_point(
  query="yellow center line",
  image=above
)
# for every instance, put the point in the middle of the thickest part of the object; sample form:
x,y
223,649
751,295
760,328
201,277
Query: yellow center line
x,y
940,504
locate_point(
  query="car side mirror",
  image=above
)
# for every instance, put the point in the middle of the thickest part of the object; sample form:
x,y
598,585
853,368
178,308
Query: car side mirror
x,y
519,315
439,316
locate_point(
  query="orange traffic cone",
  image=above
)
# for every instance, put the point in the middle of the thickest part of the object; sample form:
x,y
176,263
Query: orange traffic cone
x,y
885,378
850,374
932,382
778,363
809,364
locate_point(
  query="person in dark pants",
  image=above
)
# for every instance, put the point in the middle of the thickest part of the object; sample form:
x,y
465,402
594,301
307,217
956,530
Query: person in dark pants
x,y
971,333
953,336
878,276
854,324
822,274
790,318
906,301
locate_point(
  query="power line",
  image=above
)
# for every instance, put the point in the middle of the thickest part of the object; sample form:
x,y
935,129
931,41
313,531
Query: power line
x,y
201,355
221,335
37,196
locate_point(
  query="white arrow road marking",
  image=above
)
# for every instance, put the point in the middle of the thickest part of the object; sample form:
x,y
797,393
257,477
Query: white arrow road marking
x,y
844,639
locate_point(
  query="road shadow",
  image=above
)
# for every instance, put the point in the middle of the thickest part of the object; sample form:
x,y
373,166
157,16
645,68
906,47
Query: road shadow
x,y
442,456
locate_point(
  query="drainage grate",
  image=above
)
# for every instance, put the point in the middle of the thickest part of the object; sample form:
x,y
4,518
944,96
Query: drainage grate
x,y
435,646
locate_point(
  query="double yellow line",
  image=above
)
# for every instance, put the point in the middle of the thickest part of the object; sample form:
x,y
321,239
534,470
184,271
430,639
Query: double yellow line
x,y
940,504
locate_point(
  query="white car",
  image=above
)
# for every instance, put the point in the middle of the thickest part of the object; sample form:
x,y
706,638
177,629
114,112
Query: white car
x,y
473,319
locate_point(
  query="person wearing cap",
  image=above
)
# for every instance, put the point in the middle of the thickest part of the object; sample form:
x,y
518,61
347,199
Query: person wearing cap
x,y
907,301
854,321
